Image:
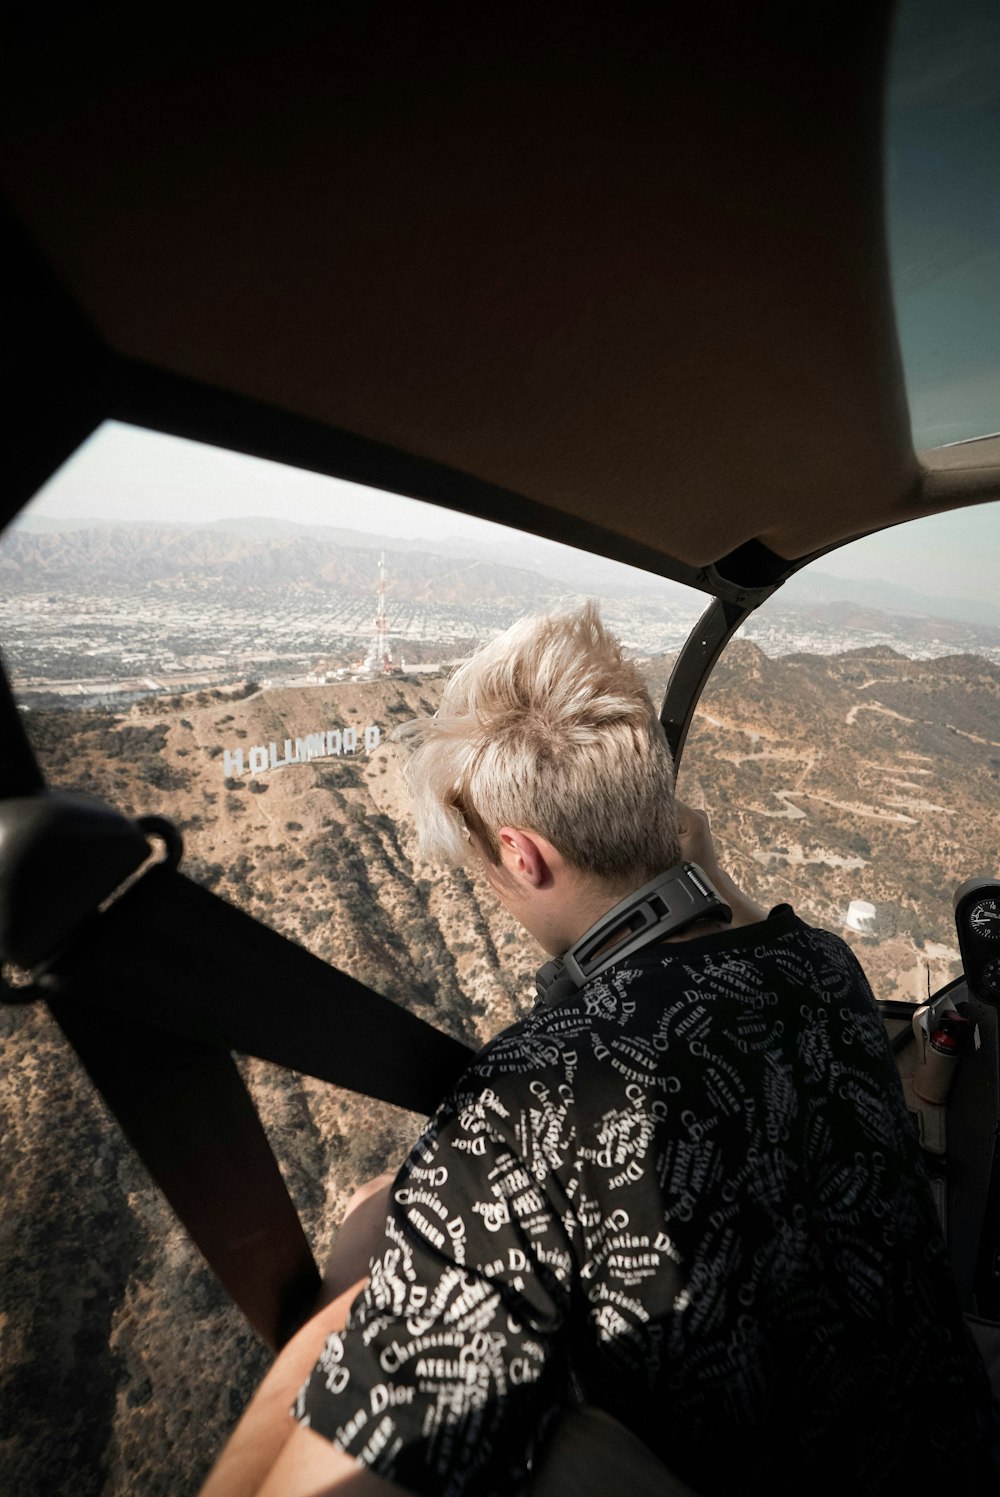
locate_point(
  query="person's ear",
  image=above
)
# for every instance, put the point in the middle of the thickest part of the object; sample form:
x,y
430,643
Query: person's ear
x,y
524,856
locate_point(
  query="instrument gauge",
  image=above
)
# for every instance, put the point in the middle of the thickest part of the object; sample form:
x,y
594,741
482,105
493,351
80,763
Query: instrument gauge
x,y
990,978
984,919
977,920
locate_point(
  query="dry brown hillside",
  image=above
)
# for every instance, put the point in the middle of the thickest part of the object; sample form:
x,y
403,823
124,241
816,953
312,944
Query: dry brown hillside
x,y
859,776
124,1364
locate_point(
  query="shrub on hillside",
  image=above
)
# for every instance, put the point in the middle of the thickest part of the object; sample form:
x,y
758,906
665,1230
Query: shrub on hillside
x,y
345,775
209,875
164,776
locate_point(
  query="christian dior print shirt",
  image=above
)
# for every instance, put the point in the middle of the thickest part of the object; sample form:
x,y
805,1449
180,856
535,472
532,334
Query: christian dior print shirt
x,y
687,1195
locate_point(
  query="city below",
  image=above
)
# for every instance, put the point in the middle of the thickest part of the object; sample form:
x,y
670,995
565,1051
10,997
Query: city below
x,y
104,617
90,649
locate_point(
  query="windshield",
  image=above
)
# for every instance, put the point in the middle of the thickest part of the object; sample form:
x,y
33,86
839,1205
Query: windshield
x,y
943,137
231,643
848,744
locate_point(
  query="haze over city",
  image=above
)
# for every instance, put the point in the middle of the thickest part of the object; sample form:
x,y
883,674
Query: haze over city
x,y
127,475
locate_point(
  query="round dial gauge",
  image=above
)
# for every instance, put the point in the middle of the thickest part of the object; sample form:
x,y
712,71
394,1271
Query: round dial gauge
x,y
991,976
984,919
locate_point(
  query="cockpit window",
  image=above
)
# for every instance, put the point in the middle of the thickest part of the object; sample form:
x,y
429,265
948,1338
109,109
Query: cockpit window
x,y
848,743
943,123
231,643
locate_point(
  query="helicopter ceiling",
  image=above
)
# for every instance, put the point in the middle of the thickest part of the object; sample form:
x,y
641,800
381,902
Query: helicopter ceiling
x,y
614,277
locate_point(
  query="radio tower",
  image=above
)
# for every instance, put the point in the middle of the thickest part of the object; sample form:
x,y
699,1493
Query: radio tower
x,y
379,658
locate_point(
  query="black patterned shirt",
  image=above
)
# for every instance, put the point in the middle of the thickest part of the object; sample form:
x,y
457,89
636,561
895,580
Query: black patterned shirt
x,y
689,1195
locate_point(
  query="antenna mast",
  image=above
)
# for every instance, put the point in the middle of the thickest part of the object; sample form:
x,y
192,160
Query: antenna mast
x,y
379,660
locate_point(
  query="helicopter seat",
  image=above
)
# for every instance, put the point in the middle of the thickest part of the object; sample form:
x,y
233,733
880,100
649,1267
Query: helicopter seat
x,y
591,1454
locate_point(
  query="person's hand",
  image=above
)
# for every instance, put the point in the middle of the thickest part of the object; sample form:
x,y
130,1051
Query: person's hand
x,y
695,837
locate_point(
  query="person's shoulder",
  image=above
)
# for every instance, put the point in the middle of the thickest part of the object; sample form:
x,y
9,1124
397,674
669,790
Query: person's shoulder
x,y
833,950
530,1047
784,950
816,966
539,1062
785,932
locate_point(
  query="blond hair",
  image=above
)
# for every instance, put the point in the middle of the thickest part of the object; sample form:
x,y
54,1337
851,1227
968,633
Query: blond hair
x,y
548,729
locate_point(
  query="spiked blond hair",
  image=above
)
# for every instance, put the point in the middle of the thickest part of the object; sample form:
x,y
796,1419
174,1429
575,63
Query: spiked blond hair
x,y
548,729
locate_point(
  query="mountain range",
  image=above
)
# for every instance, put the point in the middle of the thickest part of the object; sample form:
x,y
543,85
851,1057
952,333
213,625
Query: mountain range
x,y
527,555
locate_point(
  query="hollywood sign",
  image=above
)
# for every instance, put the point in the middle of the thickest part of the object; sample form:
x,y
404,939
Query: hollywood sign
x,y
331,744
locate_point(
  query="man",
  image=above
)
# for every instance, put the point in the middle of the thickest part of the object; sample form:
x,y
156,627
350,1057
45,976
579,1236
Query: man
x,y
686,1193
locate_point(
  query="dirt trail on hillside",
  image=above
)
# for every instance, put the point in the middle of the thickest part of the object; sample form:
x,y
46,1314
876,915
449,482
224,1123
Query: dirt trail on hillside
x,y
852,715
973,737
795,813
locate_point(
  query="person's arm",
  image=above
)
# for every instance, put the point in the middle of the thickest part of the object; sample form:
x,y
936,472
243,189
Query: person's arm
x,y
258,1444
695,838
453,1364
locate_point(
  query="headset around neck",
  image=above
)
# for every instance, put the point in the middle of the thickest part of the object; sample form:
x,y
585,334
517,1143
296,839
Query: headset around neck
x,y
665,906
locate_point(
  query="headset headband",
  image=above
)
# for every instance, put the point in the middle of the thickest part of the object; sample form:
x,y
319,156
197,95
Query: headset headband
x,y
665,906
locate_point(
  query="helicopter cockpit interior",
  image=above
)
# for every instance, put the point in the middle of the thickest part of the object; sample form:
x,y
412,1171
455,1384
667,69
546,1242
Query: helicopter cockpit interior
x,y
337,339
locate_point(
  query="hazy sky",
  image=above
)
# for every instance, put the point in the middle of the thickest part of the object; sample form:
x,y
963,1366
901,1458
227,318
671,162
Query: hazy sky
x,y
945,555
125,473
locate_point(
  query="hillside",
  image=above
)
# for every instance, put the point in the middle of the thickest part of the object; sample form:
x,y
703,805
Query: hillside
x,y
863,775
857,776
96,1272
